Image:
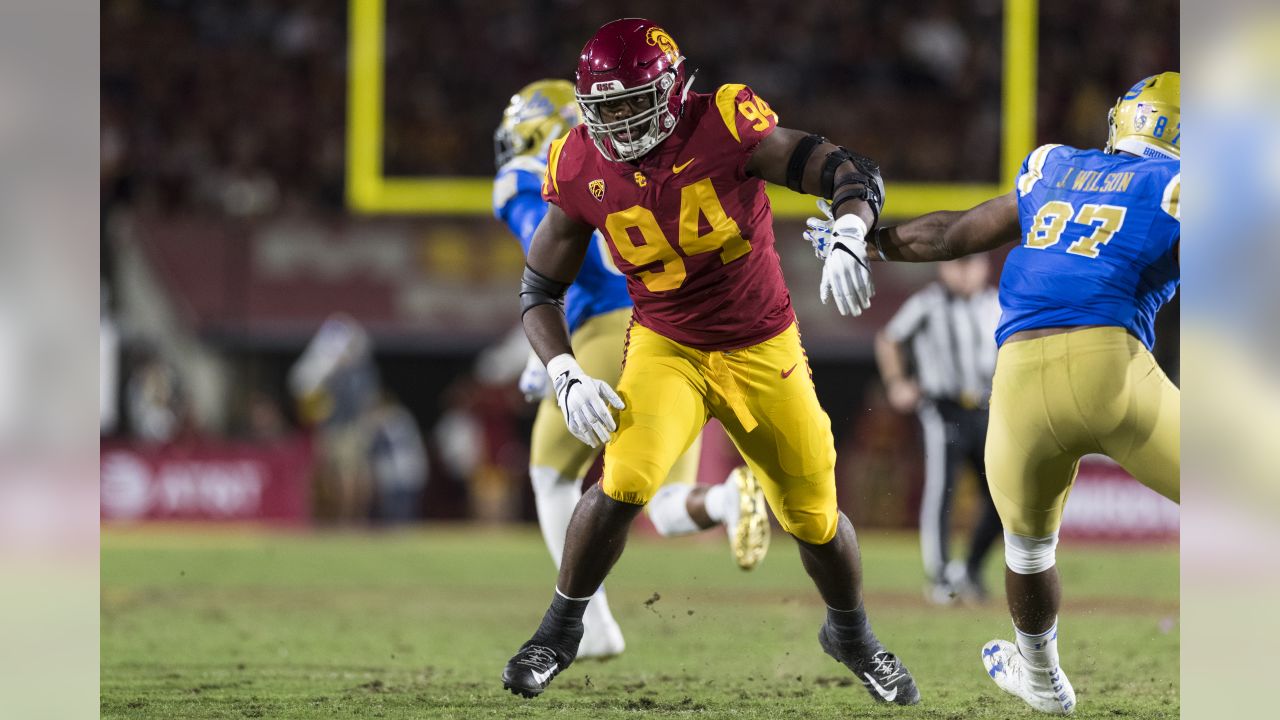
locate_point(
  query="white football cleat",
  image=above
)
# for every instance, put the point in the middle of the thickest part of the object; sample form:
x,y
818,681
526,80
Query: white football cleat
x,y
601,636
1046,690
747,521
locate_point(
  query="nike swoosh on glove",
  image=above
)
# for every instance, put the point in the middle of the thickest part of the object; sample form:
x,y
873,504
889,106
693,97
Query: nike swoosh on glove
x,y
584,401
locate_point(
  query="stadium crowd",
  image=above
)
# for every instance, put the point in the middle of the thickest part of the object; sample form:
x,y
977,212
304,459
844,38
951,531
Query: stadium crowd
x,y
238,107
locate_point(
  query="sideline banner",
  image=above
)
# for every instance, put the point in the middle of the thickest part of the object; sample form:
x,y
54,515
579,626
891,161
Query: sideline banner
x,y
207,480
1106,503
429,284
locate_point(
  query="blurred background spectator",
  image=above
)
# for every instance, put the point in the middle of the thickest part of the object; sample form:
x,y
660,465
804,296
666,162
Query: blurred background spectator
x,y
370,461
157,401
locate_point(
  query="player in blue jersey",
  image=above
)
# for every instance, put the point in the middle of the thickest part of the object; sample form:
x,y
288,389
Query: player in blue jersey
x,y
598,312
1098,257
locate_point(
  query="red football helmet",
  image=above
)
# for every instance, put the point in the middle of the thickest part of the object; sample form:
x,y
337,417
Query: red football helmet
x,y
625,59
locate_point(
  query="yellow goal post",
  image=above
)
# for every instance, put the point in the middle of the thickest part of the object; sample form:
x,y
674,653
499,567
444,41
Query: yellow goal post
x,y
369,191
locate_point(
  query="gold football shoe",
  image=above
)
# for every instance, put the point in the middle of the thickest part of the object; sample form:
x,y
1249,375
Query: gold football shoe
x,y
748,528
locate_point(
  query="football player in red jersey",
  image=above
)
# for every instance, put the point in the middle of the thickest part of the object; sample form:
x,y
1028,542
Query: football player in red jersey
x,y
675,181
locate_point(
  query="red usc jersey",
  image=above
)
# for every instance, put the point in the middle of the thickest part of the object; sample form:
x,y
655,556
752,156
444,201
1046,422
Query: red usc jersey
x,y
686,225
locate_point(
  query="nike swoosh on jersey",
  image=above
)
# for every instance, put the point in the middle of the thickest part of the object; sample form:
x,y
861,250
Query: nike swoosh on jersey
x,y
675,169
888,696
541,677
787,373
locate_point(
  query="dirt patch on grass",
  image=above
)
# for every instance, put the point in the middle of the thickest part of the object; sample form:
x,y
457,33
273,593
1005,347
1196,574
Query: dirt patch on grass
x,y
649,705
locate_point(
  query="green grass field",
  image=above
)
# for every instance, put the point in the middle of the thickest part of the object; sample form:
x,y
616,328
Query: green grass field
x,y
245,624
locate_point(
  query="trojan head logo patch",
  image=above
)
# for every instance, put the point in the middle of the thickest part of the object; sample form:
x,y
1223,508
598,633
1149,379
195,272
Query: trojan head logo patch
x,y
597,189
659,38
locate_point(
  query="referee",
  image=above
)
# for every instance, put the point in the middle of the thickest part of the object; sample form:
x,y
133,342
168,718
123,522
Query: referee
x,y
949,328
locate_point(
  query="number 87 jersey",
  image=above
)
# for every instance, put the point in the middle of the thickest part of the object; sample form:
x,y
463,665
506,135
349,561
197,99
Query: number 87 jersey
x,y
1099,242
689,228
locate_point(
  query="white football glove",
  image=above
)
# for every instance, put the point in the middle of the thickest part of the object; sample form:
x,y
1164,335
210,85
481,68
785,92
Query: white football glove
x,y
533,380
582,400
846,274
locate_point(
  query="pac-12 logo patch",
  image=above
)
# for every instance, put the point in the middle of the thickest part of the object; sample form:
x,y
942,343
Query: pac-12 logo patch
x,y
597,189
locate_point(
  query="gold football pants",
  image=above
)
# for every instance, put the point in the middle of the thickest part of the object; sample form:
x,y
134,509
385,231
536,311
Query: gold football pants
x,y
597,345
764,397
1060,397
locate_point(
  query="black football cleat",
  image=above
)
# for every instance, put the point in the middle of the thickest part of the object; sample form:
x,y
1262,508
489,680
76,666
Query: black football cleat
x,y
881,672
549,652
532,669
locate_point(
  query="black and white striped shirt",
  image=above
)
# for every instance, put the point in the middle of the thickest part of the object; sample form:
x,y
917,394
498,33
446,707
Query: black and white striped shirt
x,y
952,342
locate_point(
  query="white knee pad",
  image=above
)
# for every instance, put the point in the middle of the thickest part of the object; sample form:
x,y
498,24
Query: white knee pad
x,y
1027,555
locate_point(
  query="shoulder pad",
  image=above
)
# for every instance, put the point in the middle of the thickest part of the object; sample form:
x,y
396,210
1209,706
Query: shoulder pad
x,y
556,151
519,175
1169,202
1033,168
744,112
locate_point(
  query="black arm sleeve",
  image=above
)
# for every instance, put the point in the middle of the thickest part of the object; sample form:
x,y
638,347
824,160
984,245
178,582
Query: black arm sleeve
x,y
538,289
799,158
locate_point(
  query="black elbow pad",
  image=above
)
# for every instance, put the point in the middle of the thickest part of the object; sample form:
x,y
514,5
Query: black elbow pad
x,y
864,183
538,289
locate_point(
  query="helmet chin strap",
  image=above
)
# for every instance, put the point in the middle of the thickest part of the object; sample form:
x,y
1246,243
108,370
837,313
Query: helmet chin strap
x,y
684,94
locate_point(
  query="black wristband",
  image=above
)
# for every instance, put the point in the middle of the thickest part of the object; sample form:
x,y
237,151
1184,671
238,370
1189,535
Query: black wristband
x,y
875,236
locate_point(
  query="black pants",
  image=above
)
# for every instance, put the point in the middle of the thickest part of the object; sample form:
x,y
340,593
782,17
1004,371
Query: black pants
x,y
953,434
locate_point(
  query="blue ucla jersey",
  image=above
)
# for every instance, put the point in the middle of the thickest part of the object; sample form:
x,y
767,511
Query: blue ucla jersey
x,y
517,201
1099,242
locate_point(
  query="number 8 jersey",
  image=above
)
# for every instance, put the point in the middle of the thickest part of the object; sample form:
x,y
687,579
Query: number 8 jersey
x,y
1099,242
689,228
